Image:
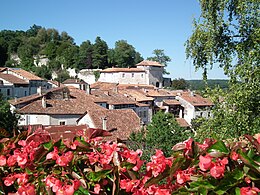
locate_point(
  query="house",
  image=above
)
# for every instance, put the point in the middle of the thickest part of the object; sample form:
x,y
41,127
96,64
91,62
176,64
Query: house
x,y
121,123
194,106
146,72
77,83
16,82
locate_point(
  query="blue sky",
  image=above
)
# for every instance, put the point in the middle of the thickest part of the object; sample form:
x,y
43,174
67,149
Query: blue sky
x,y
145,24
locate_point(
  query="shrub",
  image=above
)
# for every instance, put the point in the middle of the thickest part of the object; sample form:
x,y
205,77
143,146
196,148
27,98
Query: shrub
x,y
34,164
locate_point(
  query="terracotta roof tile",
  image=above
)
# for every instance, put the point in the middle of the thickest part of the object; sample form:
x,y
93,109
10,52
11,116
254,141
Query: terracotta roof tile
x,y
122,70
25,74
161,93
196,100
13,79
137,94
182,122
124,122
74,81
149,63
171,102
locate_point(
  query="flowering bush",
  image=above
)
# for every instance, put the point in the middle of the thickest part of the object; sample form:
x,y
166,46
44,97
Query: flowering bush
x,y
34,164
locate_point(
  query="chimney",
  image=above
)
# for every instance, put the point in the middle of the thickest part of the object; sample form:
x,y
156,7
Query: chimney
x,y
44,102
104,123
88,89
39,90
191,93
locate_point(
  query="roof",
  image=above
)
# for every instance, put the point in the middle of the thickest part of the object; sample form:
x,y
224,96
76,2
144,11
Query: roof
x,y
108,70
25,74
121,122
103,86
196,100
149,63
56,83
137,94
2,69
13,79
171,102
74,81
182,122
160,93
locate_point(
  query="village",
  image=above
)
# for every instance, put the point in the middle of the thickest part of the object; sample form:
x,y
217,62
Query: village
x,y
121,101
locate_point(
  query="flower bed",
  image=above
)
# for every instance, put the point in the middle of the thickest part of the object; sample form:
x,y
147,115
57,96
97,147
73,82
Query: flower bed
x,y
34,164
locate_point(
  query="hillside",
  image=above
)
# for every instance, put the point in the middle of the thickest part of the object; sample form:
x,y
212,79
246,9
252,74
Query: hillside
x,y
212,83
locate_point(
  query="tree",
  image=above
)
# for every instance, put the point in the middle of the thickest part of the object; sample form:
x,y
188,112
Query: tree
x,y
227,34
100,49
180,84
164,132
161,58
124,54
8,120
85,55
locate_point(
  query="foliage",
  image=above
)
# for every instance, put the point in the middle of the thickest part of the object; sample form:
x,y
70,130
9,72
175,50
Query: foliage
x,y
8,120
209,83
34,164
62,76
180,84
227,34
161,133
100,54
161,58
124,55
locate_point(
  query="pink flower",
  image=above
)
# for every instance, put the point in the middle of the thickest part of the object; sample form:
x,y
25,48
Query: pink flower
x,y
2,160
129,185
22,159
8,181
27,189
53,155
249,191
182,177
97,188
205,163
234,156
22,178
11,161
217,171
65,159
158,163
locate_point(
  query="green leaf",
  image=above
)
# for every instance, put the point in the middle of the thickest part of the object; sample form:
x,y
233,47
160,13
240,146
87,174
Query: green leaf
x,y
220,147
249,162
230,180
81,191
196,185
237,191
48,145
97,176
28,171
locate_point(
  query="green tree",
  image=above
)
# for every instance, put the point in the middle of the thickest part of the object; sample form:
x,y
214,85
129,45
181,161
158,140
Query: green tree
x,y
159,56
124,54
99,57
164,132
8,120
85,55
43,72
180,84
227,34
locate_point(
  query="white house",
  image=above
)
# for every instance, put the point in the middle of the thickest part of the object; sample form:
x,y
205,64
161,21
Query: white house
x,y
146,73
194,106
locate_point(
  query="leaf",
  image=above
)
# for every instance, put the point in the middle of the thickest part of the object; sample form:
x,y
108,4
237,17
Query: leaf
x,y
231,179
177,163
81,191
253,141
219,147
155,180
97,176
48,145
116,180
194,186
249,162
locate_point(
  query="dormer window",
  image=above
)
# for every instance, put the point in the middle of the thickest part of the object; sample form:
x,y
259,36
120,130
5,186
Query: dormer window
x,y
123,75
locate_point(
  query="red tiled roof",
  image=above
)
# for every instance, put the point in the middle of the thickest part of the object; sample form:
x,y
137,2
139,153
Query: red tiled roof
x,y
13,79
103,86
2,69
26,74
182,122
74,81
196,100
123,122
149,63
138,94
171,102
161,93
122,70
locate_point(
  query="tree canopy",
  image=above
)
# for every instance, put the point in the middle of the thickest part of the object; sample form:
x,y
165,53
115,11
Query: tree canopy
x,y
227,35
159,56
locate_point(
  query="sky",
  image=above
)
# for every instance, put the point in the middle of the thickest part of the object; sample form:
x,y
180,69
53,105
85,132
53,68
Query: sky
x,y
145,24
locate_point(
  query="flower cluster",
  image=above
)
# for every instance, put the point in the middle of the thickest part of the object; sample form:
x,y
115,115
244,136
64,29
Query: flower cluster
x,y
33,164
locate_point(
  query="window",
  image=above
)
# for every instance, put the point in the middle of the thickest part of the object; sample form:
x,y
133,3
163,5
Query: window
x,y
62,122
144,114
208,114
123,75
1,82
133,74
8,92
142,75
25,93
201,114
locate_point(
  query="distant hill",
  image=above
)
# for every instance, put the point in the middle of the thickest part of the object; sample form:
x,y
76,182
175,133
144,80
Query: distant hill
x,y
212,83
